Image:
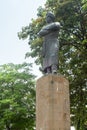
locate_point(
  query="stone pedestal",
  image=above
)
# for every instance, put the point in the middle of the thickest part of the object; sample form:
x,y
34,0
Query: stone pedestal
x,y
52,103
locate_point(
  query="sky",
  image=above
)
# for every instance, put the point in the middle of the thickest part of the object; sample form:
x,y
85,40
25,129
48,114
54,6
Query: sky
x,y
14,14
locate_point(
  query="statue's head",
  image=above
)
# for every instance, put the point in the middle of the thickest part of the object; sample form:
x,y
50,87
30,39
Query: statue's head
x,y
50,17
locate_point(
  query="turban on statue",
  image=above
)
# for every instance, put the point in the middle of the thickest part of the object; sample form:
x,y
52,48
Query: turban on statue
x,y
50,14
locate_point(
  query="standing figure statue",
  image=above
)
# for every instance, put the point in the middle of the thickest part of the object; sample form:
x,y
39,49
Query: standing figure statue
x,y
50,45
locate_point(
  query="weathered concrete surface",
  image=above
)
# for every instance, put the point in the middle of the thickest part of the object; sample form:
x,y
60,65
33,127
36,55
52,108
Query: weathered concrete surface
x,y
52,103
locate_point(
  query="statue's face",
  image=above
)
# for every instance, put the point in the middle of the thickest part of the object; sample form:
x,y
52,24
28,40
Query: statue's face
x,y
49,19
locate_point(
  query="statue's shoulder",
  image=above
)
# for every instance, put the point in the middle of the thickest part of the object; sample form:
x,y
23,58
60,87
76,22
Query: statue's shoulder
x,y
57,23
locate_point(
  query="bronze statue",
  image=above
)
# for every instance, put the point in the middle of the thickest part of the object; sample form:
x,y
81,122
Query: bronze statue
x,y
50,45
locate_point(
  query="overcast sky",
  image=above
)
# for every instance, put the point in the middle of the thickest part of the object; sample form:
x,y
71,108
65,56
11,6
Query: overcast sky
x,y
14,14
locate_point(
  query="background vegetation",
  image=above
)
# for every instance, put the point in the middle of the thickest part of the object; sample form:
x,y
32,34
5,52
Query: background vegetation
x,y
17,97
72,14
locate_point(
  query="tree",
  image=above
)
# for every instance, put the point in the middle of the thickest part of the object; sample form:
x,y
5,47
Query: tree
x,y
72,14
17,97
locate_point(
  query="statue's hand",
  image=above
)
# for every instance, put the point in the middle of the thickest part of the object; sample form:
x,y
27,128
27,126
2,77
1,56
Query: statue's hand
x,y
53,26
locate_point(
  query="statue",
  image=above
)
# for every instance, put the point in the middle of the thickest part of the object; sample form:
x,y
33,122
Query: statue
x,y
50,45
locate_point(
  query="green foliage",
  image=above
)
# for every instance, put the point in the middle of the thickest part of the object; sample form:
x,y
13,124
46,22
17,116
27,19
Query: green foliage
x,y
72,14
17,97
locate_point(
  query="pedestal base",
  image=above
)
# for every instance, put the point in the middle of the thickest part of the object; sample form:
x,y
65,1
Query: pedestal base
x,y
52,103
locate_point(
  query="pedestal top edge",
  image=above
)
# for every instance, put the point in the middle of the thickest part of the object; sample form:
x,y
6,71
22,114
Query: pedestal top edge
x,y
59,76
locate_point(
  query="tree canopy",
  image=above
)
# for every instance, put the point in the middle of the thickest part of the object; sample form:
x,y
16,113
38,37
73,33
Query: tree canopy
x,y
72,14
17,97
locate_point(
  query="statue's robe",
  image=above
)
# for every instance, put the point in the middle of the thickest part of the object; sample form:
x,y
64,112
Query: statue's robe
x,y
50,45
